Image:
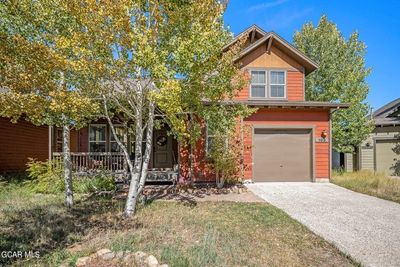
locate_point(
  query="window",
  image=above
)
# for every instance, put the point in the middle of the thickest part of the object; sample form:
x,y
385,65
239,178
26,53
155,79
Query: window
x,y
59,139
97,138
277,84
209,139
114,147
258,83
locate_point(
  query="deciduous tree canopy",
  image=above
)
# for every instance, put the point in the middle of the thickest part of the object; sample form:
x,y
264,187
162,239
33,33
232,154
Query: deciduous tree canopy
x,y
341,77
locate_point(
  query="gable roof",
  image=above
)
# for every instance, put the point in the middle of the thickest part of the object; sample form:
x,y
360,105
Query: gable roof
x,y
266,37
253,28
387,115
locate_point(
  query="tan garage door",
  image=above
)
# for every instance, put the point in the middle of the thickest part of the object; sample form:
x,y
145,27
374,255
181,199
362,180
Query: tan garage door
x,y
282,155
387,157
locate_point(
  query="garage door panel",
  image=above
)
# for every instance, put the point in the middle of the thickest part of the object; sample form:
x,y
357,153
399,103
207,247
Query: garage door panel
x,y
282,155
388,157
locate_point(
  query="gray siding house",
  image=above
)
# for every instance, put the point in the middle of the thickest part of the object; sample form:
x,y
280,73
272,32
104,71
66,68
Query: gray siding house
x,y
380,152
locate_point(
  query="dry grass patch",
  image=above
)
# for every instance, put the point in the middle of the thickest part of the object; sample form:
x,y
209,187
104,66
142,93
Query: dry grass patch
x,y
370,183
178,233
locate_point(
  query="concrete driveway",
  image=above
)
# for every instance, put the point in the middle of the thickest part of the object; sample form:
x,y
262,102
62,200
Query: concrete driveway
x,y
364,227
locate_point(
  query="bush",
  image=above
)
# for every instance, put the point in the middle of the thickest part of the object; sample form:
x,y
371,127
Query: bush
x,y
47,178
225,157
97,183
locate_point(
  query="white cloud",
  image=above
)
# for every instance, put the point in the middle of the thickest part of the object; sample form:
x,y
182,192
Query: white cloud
x,y
267,5
286,18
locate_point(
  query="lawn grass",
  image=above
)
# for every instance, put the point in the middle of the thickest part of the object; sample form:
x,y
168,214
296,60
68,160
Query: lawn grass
x,y
177,233
370,183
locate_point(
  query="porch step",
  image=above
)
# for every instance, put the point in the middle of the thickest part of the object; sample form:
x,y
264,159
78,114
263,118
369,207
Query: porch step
x,y
162,176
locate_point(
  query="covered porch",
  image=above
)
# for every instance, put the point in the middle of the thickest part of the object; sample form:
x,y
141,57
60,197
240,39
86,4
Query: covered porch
x,y
94,150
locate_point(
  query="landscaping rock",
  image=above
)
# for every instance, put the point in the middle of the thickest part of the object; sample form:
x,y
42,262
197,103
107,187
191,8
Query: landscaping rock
x,y
108,256
128,258
83,261
140,257
105,257
119,254
103,251
151,261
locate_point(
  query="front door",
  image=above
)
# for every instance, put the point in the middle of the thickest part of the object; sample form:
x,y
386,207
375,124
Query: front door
x,y
162,149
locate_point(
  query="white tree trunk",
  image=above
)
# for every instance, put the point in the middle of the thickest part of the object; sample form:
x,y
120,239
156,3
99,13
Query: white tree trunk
x,y
131,200
138,170
69,196
149,143
220,179
122,146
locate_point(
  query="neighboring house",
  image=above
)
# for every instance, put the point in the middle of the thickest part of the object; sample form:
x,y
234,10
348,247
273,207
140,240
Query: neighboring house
x,y
289,138
381,150
20,141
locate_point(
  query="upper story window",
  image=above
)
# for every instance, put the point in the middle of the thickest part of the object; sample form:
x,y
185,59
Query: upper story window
x,y
277,84
258,83
273,87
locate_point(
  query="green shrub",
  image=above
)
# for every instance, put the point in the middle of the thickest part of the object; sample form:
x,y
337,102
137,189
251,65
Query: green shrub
x,y
47,178
89,184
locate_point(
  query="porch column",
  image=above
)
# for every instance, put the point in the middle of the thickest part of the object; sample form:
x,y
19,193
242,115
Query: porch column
x,y
50,142
125,141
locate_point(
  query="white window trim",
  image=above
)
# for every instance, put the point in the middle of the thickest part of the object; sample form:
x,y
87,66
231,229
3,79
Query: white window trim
x,y
262,84
284,85
267,84
207,136
213,136
105,141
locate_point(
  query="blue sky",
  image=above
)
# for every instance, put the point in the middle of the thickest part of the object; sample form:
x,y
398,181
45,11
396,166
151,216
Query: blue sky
x,y
378,23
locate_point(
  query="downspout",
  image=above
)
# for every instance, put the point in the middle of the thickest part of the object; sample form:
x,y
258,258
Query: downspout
x,y
178,179
330,141
330,146
190,152
241,150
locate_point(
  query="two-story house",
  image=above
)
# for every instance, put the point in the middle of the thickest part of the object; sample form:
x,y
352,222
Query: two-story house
x,y
289,138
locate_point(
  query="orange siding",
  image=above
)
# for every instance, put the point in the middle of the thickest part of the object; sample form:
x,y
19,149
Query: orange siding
x,y
243,94
316,118
201,171
319,119
21,141
295,86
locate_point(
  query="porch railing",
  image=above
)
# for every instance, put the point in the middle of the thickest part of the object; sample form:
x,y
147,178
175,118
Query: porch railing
x,y
87,162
